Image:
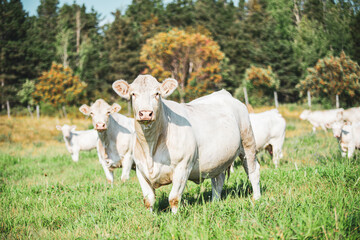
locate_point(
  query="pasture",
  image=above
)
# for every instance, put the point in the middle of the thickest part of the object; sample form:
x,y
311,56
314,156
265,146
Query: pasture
x,y
313,194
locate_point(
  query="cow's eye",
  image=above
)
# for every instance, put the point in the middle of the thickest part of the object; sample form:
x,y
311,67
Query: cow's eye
x,y
91,114
157,94
108,113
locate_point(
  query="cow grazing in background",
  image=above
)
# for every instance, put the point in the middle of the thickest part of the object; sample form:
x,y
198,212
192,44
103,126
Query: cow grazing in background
x,y
351,115
116,134
76,141
348,136
176,142
269,131
323,118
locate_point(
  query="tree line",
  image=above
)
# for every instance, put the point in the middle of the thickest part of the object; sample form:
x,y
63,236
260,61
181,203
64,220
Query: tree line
x,y
62,56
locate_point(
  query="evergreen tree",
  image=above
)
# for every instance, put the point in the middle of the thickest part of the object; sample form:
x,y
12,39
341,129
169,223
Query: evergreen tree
x,y
13,67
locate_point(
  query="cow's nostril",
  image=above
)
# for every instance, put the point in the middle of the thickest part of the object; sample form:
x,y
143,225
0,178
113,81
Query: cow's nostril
x,y
150,114
140,114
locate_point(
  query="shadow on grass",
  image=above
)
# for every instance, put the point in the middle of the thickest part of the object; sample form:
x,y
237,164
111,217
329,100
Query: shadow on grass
x,y
239,189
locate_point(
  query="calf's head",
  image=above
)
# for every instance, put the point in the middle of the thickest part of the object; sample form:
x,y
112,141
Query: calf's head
x,y
336,128
66,130
145,93
304,114
100,112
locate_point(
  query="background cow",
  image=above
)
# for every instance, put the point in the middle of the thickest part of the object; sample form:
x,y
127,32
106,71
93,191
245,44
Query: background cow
x,y
116,134
176,142
269,131
76,141
348,136
321,118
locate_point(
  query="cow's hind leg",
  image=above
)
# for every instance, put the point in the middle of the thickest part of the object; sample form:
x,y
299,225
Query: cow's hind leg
x,y
217,185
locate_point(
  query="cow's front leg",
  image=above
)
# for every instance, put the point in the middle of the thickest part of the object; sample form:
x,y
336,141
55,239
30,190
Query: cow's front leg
x,y
180,177
126,167
217,185
147,190
75,154
351,150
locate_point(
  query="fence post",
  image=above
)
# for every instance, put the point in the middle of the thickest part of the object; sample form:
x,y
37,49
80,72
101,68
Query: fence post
x,y
64,110
29,109
129,108
37,111
246,96
276,99
8,108
337,101
309,98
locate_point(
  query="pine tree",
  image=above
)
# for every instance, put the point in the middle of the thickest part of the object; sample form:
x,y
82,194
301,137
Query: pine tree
x,y
13,67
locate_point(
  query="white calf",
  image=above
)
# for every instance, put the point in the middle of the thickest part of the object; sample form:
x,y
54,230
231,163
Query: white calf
x,y
348,136
116,133
269,132
76,141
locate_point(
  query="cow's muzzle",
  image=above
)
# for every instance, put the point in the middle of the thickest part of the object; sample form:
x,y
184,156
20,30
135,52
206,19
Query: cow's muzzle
x,y
100,127
146,115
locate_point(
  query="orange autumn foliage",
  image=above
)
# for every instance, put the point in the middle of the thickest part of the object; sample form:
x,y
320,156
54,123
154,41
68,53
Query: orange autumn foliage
x,y
58,86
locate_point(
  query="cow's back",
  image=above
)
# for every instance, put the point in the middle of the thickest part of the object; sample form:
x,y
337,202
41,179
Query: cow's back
x,y
86,140
266,126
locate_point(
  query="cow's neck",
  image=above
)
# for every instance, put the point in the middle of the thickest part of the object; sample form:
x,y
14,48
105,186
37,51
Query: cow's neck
x,y
107,135
68,143
148,136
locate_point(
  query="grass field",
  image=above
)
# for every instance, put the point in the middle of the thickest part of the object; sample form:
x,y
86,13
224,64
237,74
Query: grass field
x,y
314,194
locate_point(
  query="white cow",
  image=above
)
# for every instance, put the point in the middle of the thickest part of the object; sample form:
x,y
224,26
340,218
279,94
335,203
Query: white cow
x,y
116,134
352,114
76,141
269,131
321,119
348,136
176,142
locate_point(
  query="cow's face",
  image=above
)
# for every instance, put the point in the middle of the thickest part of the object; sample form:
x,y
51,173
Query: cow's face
x,y
304,114
66,130
100,112
145,93
337,128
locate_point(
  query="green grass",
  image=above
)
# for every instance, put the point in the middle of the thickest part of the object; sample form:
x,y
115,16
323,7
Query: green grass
x,y
313,194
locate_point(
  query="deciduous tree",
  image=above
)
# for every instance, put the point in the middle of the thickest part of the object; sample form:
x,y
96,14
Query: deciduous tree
x,y
191,58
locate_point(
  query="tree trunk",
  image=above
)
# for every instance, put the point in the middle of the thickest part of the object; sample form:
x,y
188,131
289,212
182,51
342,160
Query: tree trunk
x,y
78,29
29,109
296,13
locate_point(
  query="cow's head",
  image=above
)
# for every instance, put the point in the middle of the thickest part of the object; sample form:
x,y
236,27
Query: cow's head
x,y
145,93
100,112
304,114
66,130
336,128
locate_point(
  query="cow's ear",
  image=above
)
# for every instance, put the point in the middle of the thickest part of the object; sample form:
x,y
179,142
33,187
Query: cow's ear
x,y
85,109
73,127
115,108
58,127
168,86
328,125
122,88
